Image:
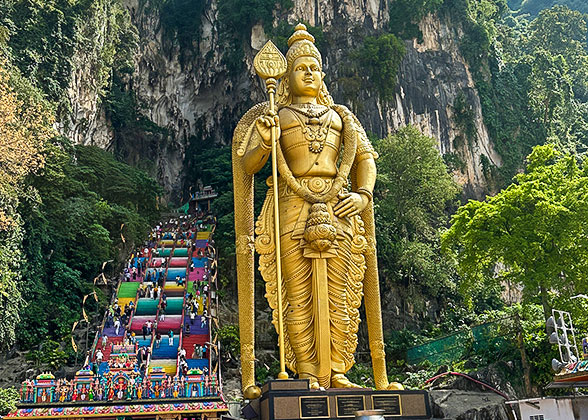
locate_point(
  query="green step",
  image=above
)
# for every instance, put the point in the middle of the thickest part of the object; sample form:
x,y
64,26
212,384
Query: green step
x,y
146,306
181,252
128,289
165,252
174,306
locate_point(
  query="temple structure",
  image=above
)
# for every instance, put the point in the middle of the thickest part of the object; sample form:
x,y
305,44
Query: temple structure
x,y
156,353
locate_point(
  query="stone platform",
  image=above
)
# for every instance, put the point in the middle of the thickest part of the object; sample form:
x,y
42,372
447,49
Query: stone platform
x,y
293,400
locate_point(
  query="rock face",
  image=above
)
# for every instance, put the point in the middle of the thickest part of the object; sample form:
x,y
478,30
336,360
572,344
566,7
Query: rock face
x,y
465,405
432,77
86,123
198,100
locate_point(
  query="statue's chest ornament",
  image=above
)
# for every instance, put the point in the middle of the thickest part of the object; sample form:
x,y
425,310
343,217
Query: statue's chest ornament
x,y
314,132
350,139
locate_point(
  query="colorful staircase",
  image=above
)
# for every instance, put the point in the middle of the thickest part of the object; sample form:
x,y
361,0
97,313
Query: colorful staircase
x,y
176,259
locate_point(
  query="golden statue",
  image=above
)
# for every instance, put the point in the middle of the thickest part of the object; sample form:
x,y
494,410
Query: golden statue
x,y
327,174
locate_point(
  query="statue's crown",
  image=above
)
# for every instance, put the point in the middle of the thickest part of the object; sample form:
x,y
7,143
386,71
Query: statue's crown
x,y
299,34
301,44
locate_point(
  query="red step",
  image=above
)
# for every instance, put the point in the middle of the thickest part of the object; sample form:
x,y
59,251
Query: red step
x,y
108,348
188,342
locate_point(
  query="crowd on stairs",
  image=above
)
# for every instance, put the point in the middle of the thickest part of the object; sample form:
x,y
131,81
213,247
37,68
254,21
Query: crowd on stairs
x,y
156,340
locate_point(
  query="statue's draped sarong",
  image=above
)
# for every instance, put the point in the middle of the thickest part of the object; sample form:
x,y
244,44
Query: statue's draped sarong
x,y
341,268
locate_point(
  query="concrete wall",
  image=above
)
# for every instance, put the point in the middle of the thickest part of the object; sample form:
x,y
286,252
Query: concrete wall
x,y
550,408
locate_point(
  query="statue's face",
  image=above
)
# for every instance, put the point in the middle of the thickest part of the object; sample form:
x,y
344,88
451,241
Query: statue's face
x,y
306,77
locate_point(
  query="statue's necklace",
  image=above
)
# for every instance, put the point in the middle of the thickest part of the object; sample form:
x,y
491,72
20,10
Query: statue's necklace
x,y
314,132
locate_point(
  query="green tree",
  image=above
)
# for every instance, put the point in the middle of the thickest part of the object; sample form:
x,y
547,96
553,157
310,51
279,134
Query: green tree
x,y
561,31
533,233
550,94
379,59
8,399
413,192
533,7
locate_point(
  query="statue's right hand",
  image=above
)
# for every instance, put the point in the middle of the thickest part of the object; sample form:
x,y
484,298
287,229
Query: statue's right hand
x,y
265,124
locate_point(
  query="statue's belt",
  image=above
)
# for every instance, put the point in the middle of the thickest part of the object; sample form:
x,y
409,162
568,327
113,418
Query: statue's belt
x,y
316,184
295,210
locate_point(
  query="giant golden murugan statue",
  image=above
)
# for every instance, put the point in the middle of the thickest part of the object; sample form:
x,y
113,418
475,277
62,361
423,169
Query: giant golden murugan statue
x,y
326,178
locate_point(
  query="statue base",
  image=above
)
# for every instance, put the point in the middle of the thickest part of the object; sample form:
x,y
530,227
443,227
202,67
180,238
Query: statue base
x,y
293,400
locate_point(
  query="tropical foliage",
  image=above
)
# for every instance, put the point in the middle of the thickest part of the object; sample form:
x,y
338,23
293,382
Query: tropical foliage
x,y
533,7
8,399
25,128
532,234
62,207
414,192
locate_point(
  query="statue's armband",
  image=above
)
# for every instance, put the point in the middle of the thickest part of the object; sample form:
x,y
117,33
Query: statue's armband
x,y
365,150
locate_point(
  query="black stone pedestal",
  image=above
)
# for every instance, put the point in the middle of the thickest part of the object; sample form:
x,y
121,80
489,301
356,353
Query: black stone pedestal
x,y
293,400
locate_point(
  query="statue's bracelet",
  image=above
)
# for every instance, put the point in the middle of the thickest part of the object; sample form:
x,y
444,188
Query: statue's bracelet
x,y
367,192
265,146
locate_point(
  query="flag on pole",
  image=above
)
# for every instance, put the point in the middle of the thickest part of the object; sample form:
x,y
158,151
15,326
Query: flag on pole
x,y
73,343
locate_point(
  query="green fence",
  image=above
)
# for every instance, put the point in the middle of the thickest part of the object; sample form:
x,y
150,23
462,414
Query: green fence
x,y
455,346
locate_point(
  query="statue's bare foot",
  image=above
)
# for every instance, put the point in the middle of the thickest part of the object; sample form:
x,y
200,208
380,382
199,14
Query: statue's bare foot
x,y
313,382
395,386
339,380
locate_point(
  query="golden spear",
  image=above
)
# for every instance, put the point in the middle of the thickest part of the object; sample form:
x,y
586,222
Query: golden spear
x,y
270,64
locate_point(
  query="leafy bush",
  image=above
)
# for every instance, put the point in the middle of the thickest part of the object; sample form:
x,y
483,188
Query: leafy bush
x,y
229,338
8,399
533,7
49,357
406,14
265,372
379,59
361,374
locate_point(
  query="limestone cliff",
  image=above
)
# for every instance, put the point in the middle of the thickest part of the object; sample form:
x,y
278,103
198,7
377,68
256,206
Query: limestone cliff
x,y
197,99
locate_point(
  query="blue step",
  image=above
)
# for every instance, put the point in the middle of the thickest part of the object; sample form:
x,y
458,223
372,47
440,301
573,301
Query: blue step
x,y
197,363
199,262
146,343
165,351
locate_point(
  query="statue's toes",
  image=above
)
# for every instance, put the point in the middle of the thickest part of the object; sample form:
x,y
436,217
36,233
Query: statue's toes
x,y
340,381
395,386
252,392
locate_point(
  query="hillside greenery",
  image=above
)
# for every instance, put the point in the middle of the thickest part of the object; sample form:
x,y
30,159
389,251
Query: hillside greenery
x,y
413,193
84,197
64,208
533,7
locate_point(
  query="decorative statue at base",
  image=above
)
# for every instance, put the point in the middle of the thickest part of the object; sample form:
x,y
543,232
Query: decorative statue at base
x,y
327,173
